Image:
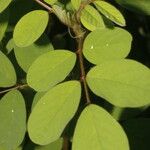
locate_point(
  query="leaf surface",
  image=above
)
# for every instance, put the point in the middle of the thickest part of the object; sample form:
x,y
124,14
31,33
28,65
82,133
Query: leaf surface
x,y
30,27
50,69
13,120
110,12
123,83
97,130
7,72
53,112
107,44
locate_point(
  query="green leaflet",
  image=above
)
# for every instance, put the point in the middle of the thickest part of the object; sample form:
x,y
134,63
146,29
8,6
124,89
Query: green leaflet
x,y
138,132
7,72
27,55
97,130
49,116
107,44
91,18
123,83
4,17
10,46
57,145
110,12
30,27
4,4
50,2
37,97
140,6
13,120
50,69
76,3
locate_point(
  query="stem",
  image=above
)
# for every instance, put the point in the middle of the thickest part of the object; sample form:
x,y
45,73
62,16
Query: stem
x,y
14,88
44,5
65,143
82,69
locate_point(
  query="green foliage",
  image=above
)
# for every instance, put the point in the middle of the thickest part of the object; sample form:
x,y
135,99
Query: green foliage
x,y
30,27
96,123
107,44
46,126
32,52
44,73
110,12
123,83
76,3
13,120
51,97
91,19
7,72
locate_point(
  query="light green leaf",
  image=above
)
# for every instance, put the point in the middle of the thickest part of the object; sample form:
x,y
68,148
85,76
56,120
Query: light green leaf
x,y
124,83
13,120
7,72
91,18
76,3
57,145
4,17
53,112
50,2
50,69
140,6
10,46
4,4
110,12
107,44
30,27
27,55
97,130
37,97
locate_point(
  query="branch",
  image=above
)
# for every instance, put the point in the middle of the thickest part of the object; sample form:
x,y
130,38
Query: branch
x,y
65,143
80,39
14,88
44,5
